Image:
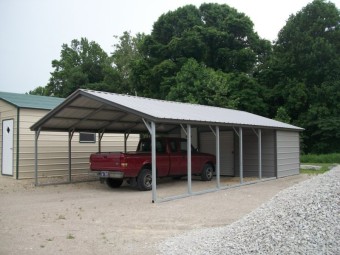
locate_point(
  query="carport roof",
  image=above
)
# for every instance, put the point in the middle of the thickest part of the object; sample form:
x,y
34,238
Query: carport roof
x,y
94,111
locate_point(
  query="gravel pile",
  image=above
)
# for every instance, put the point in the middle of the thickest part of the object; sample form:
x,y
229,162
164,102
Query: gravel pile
x,y
303,219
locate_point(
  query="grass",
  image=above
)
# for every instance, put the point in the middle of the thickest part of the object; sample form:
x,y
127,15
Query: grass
x,y
326,161
321,158
324,168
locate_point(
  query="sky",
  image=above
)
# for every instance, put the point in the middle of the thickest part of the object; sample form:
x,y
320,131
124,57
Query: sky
x,y
33,31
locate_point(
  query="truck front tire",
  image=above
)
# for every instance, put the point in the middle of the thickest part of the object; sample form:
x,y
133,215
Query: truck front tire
x,y
144,180
114,183
207,173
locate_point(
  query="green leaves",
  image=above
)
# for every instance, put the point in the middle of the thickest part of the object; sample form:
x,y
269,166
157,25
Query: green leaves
x,y
81,65
282,115
304,72
195,83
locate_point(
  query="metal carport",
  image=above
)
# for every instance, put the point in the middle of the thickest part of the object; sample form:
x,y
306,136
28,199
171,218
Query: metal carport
x,y
102,112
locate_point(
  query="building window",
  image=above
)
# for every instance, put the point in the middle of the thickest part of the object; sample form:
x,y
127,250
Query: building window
x,y
87,137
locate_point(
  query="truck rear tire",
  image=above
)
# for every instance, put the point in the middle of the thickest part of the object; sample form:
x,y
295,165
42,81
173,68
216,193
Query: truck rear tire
x,y
114,183
144,180
207,172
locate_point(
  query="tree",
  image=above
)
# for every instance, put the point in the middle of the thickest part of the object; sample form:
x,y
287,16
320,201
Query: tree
x,y
282,115
303,74
216,36
39,91
83,64
195,83
247,94
126,53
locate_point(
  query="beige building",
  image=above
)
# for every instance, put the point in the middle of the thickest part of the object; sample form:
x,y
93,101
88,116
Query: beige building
x,y
18,112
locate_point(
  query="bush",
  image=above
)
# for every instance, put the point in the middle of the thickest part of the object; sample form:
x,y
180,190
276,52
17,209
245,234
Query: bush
x,y
322,158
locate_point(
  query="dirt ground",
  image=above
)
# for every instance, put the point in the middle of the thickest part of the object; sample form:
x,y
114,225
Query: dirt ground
x,y
90,218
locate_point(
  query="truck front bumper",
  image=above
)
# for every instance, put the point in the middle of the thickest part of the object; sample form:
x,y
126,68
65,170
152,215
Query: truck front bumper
x,y
111,174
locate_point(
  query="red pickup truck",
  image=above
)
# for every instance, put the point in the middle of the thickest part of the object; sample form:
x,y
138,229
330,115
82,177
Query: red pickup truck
x,y
171,160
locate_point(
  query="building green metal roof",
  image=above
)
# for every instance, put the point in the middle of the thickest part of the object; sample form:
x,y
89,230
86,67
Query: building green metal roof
x,y
31,101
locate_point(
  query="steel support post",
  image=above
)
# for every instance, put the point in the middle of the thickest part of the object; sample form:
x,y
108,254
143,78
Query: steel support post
x,y
70,136
37,133
100,137
153,161
126,137
189,158
218,180
260,153
241,154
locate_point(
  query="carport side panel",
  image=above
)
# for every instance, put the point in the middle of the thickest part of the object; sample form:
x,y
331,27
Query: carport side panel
x,y
268,154
208,145
250,154
288,153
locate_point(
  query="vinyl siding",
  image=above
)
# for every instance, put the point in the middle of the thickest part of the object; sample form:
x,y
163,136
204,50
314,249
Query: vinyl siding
x,y
288,153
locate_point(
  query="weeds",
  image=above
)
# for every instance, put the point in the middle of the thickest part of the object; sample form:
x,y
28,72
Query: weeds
x,y
61,217
70,236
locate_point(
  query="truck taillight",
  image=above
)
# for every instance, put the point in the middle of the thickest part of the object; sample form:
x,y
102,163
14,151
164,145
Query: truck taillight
x,y
123,162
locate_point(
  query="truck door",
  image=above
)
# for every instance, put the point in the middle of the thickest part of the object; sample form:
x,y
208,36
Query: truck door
x,y
162,159
178,158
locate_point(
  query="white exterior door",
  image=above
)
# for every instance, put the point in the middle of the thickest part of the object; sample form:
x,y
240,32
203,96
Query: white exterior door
x,y
7,147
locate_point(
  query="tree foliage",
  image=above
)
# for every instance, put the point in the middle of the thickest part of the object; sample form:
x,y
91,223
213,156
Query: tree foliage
x,y
125,54
195,83
304,74
211,55
81,65
208,44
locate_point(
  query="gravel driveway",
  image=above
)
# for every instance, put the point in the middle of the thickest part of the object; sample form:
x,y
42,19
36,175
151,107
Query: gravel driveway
x,y
303,219
89,218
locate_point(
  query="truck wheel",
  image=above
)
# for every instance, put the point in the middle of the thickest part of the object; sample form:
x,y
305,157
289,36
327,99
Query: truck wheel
x,y
144,179
114,183
207,173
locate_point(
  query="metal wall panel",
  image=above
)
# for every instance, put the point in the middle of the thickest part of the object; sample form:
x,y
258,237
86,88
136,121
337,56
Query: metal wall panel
x,y
208,145
268,153
250,154
288,153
